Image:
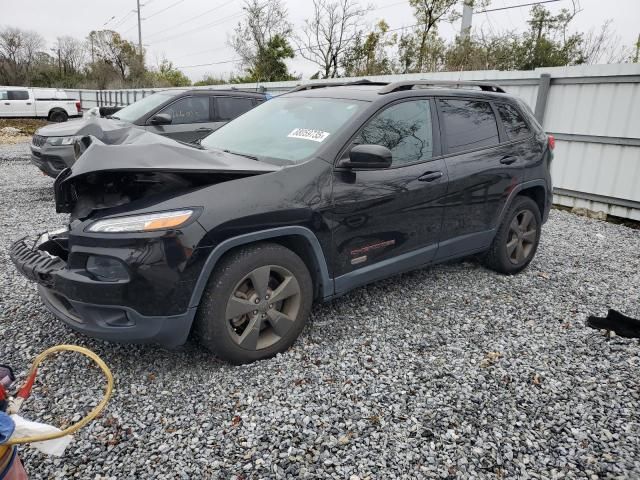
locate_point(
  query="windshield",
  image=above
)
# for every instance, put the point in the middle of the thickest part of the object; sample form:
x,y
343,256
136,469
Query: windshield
x,y
133,112
285,129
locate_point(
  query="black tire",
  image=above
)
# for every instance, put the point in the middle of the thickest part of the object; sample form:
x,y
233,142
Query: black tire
x,y
501,256
58,116
232,283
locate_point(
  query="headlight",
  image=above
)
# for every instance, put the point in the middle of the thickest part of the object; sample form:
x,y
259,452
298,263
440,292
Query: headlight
x,y
57,141
142,223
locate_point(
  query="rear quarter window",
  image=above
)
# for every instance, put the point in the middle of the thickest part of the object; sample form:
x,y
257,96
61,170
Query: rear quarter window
x,y
468,124
514,123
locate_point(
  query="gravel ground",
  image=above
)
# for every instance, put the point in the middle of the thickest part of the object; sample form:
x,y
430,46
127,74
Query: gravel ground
x,y
395,380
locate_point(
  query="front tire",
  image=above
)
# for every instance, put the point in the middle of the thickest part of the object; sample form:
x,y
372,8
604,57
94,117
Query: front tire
x,y
517,239
255,305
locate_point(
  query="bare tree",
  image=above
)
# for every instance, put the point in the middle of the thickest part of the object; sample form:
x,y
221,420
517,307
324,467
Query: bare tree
x,y
71,53
18,51
604,46
264,20
331,31
428,13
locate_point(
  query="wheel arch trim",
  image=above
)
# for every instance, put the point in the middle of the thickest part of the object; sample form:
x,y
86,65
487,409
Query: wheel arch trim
x,y
514,193
272,233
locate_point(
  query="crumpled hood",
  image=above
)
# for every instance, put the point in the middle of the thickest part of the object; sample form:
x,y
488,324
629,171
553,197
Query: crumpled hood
x,y
142,165
137,150
105,129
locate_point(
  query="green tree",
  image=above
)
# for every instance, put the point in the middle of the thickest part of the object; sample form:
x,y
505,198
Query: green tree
x,y
369,54
261,40
169,76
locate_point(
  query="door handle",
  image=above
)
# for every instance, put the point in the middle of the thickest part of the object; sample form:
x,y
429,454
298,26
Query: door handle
x,y
204,130
28,103
7,103
430,176
508,160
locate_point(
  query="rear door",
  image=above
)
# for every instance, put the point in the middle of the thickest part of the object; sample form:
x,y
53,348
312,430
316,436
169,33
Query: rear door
x,y
483,168
226,108
190,119
388,220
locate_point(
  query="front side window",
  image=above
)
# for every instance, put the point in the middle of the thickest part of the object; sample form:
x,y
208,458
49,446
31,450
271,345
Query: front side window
x,y
405,129
228,108
188,110
18,95
285,130
138,109
515,126
468,124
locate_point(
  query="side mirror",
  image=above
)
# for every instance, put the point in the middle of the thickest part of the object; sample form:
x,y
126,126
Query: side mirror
x,y
368,156
161,119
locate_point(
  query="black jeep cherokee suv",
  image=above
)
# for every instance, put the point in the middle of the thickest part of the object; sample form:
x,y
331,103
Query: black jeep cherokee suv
x,y
303,198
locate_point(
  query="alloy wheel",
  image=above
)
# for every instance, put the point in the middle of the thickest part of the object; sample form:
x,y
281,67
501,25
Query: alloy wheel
x,y
263,307
523,234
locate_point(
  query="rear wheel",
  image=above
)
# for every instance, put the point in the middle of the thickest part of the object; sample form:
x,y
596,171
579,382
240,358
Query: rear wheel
x,y
256,303
516,241
58,116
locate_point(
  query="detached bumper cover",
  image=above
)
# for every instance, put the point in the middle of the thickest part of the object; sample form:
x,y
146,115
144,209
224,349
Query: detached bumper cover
x,y
34,264
62,291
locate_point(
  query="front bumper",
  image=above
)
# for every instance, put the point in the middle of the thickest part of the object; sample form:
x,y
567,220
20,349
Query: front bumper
x,y
118,323
151,306
51,160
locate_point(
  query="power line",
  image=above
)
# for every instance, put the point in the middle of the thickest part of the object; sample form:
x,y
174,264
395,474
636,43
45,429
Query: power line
x,y
193,18
216,22
163,10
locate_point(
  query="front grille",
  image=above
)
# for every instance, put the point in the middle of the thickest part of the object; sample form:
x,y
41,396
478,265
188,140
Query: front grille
x,y
38,140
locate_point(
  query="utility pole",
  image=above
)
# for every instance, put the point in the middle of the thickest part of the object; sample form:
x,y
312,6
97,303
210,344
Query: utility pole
x,y
467,15
139,31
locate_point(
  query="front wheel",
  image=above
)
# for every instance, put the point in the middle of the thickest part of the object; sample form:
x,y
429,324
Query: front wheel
x,y
516,241
256,303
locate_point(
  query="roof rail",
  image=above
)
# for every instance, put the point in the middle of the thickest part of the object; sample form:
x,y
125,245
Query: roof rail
x,y
311,86
409,84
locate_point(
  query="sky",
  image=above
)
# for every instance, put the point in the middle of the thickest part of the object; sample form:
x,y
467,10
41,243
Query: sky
x,y
193,34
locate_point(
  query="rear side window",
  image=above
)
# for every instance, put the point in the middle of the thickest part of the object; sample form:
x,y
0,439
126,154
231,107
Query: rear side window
x,y
188,110
3,95
228,108
405,129
514,124
469,124
18,95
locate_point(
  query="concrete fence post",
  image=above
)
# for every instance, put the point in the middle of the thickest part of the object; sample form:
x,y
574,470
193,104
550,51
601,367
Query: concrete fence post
x,y
543,93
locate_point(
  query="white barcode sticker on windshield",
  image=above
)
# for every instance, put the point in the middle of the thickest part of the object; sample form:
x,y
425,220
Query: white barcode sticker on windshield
x,y
308,134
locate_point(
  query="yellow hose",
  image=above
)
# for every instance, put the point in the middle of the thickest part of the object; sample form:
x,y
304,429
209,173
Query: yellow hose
x,y
92,414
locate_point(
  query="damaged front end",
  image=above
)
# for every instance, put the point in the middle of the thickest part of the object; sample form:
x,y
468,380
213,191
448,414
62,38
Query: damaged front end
x,y
126,266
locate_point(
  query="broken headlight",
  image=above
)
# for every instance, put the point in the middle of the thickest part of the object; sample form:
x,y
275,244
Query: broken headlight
x,y
142,223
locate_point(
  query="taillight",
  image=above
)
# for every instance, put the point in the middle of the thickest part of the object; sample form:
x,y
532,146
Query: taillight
x,y
552,142
78,107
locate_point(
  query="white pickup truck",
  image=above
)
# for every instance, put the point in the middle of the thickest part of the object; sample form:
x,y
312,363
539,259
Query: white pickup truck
x,y
49,103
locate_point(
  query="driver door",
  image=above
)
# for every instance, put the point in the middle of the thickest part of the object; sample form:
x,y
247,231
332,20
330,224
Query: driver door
x,y
389,220
190,119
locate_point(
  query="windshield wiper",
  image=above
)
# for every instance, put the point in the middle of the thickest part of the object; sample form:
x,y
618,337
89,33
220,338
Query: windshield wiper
x,y
113,116
242,155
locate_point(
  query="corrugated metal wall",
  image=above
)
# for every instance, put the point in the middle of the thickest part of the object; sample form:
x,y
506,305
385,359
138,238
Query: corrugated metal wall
x,y
594,111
